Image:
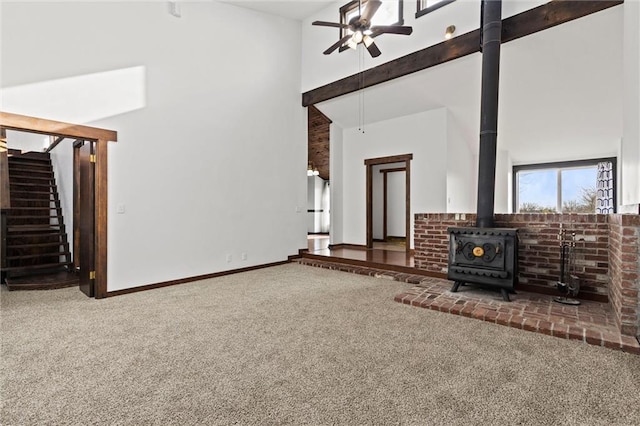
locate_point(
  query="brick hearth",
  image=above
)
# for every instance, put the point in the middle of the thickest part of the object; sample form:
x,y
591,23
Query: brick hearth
x,y
591,322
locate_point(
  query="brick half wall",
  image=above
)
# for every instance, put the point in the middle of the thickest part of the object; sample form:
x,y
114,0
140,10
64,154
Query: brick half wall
x,y
606,254
625,271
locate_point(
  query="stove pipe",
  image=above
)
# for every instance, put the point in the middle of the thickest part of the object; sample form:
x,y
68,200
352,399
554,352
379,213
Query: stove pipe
x,y
491,38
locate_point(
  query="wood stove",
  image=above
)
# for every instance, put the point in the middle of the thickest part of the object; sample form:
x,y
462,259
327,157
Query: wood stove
x,y
484,256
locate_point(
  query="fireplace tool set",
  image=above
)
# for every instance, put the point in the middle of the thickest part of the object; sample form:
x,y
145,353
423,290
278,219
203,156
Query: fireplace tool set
x,y
569,284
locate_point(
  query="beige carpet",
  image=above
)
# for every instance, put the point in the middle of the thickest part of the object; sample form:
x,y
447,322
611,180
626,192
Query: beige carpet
x,y
293,344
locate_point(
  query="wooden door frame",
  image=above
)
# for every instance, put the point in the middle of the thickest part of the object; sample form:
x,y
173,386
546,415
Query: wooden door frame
x,y
369,163
101,137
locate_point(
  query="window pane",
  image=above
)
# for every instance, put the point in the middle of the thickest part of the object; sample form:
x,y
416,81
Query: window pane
x,y
579,190
537,191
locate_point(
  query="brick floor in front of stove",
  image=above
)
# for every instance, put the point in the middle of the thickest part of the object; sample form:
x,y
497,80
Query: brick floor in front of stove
x,y
589,322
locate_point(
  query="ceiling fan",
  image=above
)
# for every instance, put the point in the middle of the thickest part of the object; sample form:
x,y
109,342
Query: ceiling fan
x,y
362,31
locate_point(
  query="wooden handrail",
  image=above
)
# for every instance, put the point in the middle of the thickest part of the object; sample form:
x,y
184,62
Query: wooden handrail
x,y
54,143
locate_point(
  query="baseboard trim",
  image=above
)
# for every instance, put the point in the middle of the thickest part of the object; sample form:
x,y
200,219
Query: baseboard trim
x,y
301,252
347,246
194,278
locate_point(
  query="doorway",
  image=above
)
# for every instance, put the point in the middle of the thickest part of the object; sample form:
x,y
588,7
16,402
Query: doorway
x,y
388,198
96,218
399,164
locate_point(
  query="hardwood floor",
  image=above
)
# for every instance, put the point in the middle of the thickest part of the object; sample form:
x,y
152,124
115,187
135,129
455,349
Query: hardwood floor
x,y
383,258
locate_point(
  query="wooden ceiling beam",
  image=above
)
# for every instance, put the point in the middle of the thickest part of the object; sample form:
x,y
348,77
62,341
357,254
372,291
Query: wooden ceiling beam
x,y
523,24
24,123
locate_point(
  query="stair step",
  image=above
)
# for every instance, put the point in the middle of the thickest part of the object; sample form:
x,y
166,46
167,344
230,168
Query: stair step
x,y
29,268
37,157
41,200
35,256
29,163
29,228
43,281
36,245
28,174
30,192
31,184
34,209
25,216
18,168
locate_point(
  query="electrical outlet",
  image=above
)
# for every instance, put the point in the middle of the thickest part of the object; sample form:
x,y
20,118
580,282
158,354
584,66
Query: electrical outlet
x,y
229,258
244,256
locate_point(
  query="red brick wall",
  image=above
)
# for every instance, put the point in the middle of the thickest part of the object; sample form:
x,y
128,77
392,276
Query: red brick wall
x,y
607,258
625,271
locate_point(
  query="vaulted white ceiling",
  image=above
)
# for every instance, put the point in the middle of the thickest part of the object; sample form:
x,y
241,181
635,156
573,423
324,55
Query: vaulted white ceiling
x,y
554,85
293,9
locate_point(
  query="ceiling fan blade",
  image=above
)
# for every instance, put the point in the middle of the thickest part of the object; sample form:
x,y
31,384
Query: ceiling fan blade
x,y
373,50
330,24
392,29
337,44
370,9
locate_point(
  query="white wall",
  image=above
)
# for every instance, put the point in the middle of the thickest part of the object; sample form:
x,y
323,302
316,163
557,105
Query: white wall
x,y
26,141
62,161
185,163
315,203
396,190
319,69
630,145
424,135
325,217
462,168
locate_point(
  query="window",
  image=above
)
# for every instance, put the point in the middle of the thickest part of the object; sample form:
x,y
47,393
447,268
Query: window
x,y
426,6
585,186
389,13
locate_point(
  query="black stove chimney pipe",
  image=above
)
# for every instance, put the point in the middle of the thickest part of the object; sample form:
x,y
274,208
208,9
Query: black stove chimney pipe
x,y
491,37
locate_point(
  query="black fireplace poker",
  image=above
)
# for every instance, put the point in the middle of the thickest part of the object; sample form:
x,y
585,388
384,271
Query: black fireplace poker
x,y
491,38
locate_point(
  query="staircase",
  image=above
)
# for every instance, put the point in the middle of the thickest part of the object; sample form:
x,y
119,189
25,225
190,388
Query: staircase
x,y
37,248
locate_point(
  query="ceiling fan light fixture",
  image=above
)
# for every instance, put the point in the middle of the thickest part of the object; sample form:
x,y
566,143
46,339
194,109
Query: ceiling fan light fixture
x,y
352,44
316,172
309,169
367,40
449,31
357,37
